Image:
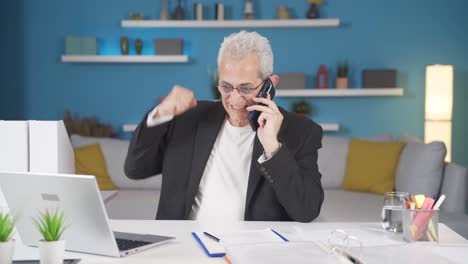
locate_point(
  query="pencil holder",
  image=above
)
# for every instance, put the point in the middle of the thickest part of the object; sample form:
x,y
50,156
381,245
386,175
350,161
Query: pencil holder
x,y
421,225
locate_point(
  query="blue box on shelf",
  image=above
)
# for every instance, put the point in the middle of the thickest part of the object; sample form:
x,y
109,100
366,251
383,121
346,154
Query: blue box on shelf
x,y
89,45
72,45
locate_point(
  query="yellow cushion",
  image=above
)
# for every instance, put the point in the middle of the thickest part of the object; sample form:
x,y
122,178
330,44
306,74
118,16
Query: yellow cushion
x,y
89,160
371,166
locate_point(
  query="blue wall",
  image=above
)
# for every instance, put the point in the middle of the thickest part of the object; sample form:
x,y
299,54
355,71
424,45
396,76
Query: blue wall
x,y
407,35
11,95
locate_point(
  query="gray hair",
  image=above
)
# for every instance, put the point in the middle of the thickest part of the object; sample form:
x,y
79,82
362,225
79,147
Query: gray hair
x,y
238,46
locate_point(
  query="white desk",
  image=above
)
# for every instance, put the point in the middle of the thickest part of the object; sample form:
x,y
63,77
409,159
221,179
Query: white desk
x,y
185,250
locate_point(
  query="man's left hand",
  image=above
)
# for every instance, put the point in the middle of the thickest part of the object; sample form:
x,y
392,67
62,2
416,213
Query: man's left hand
x,y
270,121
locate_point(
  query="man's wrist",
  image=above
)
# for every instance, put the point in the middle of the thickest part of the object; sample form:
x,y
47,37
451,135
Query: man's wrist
x,y
270,154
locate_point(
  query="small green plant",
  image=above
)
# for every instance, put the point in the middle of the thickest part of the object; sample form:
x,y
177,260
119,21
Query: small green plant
x,y
317,2
7,225
51,224
301,107
342,70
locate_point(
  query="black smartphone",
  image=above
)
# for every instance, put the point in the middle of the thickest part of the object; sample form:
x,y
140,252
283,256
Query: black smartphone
x,y
267,89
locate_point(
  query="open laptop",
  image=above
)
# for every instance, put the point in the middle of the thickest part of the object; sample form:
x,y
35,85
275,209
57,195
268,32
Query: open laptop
x,y
78,196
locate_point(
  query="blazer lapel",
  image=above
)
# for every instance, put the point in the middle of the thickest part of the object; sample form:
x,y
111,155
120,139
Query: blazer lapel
x,y
205,137
254,176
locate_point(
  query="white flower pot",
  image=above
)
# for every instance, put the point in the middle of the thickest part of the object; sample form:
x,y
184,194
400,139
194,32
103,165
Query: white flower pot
x,y
6,251
51,252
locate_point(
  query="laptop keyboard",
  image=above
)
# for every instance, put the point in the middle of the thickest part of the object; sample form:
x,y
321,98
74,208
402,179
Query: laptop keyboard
x,y
125,244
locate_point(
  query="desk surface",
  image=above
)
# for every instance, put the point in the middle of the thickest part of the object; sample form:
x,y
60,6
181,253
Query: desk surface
x,y
185,250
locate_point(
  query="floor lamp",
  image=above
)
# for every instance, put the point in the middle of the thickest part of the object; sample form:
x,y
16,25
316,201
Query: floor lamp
x,y
439,105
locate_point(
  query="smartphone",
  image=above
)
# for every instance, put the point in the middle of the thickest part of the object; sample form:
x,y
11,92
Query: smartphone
x,y
267,89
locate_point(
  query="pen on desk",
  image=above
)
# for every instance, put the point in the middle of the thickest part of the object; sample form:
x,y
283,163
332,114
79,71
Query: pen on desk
x,y
211,236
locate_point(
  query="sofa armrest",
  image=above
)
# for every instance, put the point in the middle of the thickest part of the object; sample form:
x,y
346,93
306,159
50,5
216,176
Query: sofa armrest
x,y
455,187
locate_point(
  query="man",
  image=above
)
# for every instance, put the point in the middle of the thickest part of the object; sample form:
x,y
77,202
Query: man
x,y
214,166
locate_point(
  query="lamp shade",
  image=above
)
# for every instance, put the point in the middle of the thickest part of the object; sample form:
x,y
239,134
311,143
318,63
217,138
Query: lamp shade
x,y
439,92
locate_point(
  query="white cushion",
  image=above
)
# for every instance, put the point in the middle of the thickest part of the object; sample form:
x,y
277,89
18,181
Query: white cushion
x,y
133,205
346,206
115,151
332,161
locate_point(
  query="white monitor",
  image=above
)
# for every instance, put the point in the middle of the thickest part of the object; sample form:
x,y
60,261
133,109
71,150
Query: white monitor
x,y
14,149
50,149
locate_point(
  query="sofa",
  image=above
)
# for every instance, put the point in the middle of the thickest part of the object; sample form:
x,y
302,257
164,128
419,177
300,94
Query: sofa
x,y
421,169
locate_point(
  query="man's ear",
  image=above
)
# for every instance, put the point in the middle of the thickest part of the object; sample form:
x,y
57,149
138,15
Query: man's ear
x,y
274,79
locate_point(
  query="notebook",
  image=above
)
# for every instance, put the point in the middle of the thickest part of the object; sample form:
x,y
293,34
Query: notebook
x,y
214,249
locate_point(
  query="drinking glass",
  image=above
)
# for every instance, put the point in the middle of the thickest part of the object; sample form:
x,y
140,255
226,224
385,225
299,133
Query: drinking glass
x,y
393,206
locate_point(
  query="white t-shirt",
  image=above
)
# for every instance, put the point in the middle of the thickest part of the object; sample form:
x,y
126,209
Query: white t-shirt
x,y
223,187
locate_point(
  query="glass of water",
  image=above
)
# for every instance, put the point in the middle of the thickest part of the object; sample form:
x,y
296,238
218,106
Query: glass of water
x,y
392,211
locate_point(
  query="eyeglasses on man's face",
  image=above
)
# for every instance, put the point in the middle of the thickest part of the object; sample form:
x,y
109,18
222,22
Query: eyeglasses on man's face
x,y
244,89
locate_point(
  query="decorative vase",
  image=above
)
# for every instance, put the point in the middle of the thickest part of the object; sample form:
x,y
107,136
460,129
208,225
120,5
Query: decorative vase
x,y
6,251
282,12
138,46
322,77
179,11
342,83
124,45
313,12
51,252
164,14
248,10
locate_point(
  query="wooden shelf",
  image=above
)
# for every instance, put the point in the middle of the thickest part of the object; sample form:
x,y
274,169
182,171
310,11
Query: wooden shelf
x,y
331,92
273,23
125,58
328,127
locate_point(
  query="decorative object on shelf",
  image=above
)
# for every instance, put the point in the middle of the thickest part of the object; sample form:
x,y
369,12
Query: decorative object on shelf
x,y
7,244
313,12
179,11
136,16
86,126
301,107
214,82
169,46
342,76
198,11
72,45
51,225
292,80
248,10
124,45
164,14
322,77
138,46
282,12
219,11
81,45
379,78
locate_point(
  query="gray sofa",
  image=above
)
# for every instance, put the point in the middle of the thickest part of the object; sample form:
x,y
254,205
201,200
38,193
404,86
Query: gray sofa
x,y
421,169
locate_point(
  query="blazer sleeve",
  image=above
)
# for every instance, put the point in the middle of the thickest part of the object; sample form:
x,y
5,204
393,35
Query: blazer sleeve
x,y
146,150
296,178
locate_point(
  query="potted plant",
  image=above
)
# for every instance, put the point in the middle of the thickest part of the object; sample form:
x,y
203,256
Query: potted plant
x,y
342,76
51,225
301,107
7,244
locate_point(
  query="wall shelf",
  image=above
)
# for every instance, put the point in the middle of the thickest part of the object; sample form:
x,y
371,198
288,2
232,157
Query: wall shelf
x,y
273,23
331,92
125,59
328,127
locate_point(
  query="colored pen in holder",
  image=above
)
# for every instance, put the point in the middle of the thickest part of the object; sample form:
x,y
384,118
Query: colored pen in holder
x,y
421,225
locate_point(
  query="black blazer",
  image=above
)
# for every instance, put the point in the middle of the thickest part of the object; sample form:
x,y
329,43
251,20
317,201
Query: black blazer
x,y
285,188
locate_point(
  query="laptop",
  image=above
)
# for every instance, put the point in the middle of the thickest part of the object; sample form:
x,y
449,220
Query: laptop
x,y
88,228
